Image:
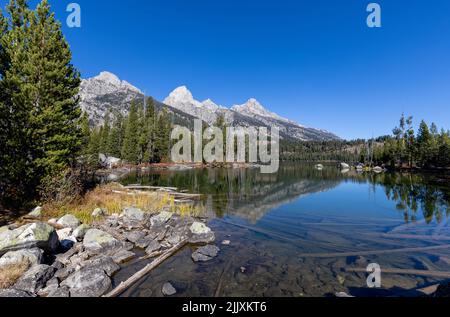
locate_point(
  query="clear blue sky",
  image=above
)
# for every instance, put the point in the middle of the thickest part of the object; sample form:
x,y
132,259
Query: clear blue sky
x,y
314,61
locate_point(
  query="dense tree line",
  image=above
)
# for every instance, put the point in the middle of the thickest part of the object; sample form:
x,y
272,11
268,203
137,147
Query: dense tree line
x,y
142,136
40,133
426,148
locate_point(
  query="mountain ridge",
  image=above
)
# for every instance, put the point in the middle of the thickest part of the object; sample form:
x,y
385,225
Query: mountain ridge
x,y
107,93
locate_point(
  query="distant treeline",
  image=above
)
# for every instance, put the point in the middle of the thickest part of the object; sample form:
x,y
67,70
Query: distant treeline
x,y
405,148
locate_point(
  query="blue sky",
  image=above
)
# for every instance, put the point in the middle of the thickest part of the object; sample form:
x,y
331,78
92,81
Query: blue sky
x,y
314,61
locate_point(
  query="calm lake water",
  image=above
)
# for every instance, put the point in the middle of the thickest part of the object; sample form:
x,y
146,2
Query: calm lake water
x,y
301,231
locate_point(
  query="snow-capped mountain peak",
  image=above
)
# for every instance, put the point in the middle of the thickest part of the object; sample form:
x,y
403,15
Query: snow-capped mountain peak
x,y
254,108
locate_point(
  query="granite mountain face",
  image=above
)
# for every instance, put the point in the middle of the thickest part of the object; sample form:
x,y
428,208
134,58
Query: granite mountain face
x,y
107,93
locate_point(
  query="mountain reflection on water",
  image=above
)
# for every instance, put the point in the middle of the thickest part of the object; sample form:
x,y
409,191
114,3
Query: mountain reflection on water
x,y
248,194
301,232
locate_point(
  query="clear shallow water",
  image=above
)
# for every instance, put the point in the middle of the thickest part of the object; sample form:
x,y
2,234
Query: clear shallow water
x,y
298,232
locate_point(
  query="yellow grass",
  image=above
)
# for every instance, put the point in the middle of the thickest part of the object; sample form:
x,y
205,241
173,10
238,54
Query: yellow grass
x,y
9,274
113,199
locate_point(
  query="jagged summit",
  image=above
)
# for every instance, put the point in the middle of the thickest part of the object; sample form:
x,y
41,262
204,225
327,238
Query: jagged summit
x,y
108,93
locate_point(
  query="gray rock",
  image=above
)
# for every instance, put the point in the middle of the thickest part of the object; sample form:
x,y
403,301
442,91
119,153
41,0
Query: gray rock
x,y
97,241
133,213
343,295
69,221
88,282
35,235
65,272
123,256
98,212
168,289
144,242
200,233
105,263
60,292
51,286
152,247
35,278
4,229
65,257
161,218
14,293
80,232
135,236
31,256
36,213
205,253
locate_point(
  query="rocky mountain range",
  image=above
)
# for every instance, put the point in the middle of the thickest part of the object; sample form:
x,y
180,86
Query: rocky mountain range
x,y
106,92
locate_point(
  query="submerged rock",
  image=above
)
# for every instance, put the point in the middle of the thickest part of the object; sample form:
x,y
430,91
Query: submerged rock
x,y
69,221
36,235
88,282
205,253
35,278
168,289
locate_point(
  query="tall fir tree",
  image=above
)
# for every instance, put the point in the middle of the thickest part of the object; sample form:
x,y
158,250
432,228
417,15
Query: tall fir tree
x,y
39,87
424,143
104,138
130,148
115,137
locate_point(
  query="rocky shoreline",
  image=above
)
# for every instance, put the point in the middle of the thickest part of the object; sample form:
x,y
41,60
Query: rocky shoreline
x,y
65,258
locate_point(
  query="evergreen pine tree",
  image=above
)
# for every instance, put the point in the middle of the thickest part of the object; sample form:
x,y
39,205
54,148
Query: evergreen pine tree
x,y
115,137
104,142
424,141
130,148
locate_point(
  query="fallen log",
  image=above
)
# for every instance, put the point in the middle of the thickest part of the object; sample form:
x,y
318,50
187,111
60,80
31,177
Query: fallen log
x,y
439,274
373,252
147,269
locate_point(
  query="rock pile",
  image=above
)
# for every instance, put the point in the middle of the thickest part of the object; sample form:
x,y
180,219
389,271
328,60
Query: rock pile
x,y
78,260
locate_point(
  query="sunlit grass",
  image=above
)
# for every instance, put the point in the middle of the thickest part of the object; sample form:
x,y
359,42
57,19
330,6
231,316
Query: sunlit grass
x,y
113,199
9,274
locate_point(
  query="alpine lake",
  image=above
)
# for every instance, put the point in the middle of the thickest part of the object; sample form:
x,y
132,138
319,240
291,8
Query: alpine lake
x,y
308,232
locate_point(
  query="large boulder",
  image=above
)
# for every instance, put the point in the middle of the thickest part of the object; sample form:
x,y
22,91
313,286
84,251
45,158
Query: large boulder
x,y
80,232
133,214
105,263
200,233
88,282
35,278
69,221
35,235
30,256
97,241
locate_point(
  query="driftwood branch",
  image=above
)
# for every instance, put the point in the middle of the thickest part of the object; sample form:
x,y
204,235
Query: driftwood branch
x,y
147,269
373,252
